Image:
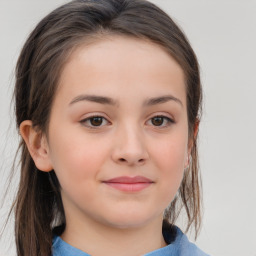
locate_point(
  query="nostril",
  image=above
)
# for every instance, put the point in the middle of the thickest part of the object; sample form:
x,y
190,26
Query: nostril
x,y
139,161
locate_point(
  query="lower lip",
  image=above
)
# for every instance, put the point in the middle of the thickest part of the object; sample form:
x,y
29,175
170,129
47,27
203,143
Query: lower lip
x,y
129,187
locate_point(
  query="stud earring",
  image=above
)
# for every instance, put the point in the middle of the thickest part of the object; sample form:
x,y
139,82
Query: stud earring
x,y
189,160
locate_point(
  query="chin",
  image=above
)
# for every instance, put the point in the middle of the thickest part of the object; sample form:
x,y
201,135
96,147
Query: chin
x,y
130,220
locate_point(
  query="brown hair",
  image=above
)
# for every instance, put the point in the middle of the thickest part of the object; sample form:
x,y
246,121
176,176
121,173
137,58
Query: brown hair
x,y
39,211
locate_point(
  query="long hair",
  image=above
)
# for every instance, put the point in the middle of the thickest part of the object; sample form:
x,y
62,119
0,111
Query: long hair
x,y
39,212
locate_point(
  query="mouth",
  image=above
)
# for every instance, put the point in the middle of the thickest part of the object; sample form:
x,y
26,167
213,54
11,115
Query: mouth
x,y
129,184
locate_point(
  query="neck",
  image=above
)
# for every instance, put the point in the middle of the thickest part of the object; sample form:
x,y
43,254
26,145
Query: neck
x,y
98,240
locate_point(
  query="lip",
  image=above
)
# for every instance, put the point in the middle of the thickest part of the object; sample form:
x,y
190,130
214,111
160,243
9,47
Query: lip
x,y
129,184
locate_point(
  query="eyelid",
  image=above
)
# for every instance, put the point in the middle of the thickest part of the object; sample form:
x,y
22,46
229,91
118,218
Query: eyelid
x,y
162,114
87,118
167,117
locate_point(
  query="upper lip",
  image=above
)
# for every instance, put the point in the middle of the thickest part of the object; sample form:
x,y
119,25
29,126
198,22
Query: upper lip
x,y
129,180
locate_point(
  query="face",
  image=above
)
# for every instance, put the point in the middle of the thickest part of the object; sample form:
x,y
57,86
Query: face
x,y
118,132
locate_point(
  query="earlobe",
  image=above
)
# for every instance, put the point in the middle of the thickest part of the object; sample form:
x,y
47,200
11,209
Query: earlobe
x,y
37,145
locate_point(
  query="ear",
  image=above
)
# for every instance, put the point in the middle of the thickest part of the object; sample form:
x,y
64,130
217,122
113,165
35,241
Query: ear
x,y
37,145
191,142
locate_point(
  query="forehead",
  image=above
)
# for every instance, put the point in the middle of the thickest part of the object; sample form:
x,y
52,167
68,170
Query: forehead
x,y
120,63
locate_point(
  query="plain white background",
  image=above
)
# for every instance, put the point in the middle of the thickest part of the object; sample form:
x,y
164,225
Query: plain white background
x,y
223,34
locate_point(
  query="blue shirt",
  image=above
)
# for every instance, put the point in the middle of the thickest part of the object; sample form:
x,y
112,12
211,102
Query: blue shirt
x,y
179,247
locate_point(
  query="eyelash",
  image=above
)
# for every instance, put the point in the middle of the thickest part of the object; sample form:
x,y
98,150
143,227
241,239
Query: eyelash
x,y
166,119
89,119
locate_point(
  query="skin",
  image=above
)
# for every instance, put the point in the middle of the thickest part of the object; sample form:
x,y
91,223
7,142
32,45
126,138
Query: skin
x,y
126,143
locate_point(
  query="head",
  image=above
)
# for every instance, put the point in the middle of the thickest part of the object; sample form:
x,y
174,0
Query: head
x,y
69,31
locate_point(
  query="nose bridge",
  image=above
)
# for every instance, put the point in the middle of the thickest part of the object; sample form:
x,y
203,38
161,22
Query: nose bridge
x,y
130,147
132,137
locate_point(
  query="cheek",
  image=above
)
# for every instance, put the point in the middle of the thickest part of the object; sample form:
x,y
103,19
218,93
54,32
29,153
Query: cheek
x,y
170,159
78,159
171,153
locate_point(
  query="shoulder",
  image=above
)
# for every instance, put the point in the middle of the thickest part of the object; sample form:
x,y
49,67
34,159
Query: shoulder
x,y
179,245
61,248
185,247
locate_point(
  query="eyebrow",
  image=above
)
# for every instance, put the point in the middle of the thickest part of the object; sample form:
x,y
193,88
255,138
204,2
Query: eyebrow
x,y
161,100
109,101
94,98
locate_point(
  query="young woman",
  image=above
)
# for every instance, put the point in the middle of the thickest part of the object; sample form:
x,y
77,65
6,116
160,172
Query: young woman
x,y
108,100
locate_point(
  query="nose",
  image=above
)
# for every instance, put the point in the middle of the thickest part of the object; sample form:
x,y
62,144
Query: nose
x,y
130,147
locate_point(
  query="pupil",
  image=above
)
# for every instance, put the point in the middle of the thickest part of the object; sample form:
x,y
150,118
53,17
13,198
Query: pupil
x,y
96,121
157,121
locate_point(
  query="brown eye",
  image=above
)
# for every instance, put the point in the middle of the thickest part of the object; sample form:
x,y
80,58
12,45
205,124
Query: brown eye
x,y
96,121
157,120
161,121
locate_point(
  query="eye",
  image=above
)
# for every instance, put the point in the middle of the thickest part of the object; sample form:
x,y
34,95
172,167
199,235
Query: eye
x,y
94,121
161,121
